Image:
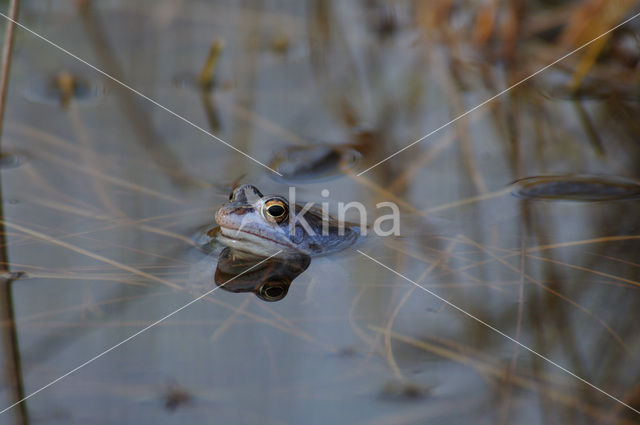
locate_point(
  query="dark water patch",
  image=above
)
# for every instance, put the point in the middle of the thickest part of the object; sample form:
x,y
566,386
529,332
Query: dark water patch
x,y
577,187
63,88
349,351
402,391
313,163
176,397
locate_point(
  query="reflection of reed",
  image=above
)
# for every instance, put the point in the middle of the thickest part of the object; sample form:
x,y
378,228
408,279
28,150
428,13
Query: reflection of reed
x,y
206,84
7,50
210,110
9,339
536,285
11,351
149,138
547,284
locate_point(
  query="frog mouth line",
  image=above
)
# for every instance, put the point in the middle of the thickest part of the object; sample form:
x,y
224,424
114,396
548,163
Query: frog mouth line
x,y
233,233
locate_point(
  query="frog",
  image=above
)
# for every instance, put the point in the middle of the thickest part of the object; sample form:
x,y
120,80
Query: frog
x,y
264,225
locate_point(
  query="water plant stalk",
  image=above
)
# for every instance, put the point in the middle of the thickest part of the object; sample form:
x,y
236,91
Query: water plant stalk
x,y
7,50
9,337
205,78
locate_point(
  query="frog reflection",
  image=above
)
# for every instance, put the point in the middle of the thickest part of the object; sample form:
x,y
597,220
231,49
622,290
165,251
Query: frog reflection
x,y
269,280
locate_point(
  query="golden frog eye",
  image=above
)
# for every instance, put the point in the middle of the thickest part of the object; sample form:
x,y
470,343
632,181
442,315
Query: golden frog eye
x,y
275,210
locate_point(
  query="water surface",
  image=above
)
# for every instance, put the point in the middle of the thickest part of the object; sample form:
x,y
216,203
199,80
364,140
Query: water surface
x,y
101,216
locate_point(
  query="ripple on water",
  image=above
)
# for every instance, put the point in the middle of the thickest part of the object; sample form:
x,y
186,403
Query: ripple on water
x,y
50,90
188,80
314,163
577,187
11,160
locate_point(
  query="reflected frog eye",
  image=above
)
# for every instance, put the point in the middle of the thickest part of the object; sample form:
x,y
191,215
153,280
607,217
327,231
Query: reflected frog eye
x,y
275,210
273,290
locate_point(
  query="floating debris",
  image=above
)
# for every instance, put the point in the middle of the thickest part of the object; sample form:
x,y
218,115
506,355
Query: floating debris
x,y
577,187
63,88
175,397
14,275
280,43
314,163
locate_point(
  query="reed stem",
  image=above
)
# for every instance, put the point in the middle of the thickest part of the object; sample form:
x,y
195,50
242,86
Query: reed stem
x,y
7,50
205,79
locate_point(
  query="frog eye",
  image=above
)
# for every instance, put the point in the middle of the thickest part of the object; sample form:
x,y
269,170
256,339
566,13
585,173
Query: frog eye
x,y
275,210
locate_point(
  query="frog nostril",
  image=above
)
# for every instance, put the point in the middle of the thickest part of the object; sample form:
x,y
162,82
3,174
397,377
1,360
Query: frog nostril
x,y
238,195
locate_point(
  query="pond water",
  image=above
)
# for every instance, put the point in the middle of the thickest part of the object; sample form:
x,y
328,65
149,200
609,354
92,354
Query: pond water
x,y
104,211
